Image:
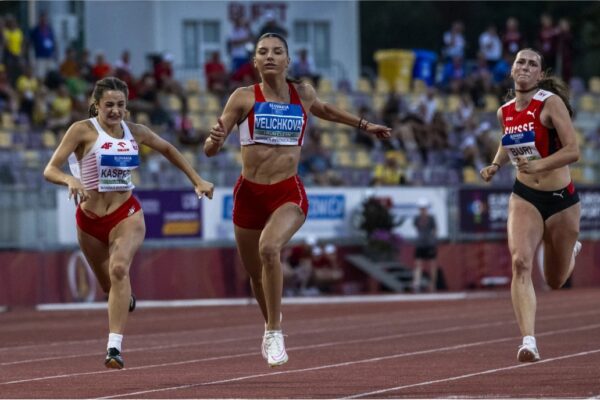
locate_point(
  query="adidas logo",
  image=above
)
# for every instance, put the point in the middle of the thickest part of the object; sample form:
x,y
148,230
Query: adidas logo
x,y
131,211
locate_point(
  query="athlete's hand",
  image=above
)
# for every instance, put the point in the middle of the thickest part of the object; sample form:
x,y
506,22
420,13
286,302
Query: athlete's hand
x,y
382,132
218,133
203,188
525,166
76,190
487,173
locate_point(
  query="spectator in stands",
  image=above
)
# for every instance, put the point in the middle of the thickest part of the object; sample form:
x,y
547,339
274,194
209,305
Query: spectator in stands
x,y
14,48
101,68
453,75
110,225
44,46
564,50
271,25
389,172
123,64
454,41
9,100
60,111
237,43
86,67
546,40
245,75
270,203
327,271
297,267
216,75
27,86
304,67
544,206
490,46
70,68
512,40
425,246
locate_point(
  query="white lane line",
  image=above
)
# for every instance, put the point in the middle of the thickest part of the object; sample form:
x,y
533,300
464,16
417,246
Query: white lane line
x,y
486,372
349,363
311,332
385,298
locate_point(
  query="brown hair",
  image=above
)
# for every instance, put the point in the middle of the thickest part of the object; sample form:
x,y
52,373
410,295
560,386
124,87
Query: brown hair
x,y
103,85
287,50
550,83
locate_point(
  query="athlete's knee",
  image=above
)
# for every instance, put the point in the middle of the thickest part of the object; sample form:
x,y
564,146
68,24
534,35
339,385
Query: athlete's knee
x,y
118,271
269,253
521,264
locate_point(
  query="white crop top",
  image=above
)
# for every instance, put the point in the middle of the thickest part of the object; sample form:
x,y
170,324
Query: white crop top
x,y
107,166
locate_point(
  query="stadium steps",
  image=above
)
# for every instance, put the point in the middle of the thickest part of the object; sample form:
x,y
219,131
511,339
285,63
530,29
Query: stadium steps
x,y
390,274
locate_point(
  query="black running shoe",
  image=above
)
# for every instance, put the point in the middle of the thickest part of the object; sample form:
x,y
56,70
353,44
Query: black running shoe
x,y
113,359
132,302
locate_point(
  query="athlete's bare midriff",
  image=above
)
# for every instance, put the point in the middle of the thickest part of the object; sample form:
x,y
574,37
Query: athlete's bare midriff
x,y
104,203
267,164
547,181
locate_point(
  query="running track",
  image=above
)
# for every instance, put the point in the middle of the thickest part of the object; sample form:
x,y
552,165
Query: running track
x,y
417,349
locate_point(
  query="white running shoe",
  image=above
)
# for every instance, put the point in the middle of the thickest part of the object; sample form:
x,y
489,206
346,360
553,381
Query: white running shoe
x,y
528,351
577,248
275,348
263,346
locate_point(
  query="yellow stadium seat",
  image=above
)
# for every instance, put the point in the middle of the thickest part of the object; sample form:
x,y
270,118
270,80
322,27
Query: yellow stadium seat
x,y
470,175
341,141
398,155
174,103
452,103
142,118
5,140
325,86
382,86
363,159
192,86
344,158
32,158
378,102
7,121
193,103
419,86
327,140
49,139
594,84
212,103
364,86
491,103
343,102
587,103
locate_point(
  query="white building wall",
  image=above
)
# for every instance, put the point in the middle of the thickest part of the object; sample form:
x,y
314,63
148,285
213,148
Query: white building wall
x,y
146,27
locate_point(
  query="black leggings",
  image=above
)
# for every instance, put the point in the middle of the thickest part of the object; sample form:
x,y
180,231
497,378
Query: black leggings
x,y
548,203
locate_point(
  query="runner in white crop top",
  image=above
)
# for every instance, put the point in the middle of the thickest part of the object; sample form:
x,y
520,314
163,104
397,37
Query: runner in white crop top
x,y
110,222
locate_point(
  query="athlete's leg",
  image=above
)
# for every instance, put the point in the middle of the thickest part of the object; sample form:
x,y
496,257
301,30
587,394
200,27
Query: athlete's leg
x,y
525,230
281,226
562,230
96,254
247,243
124,241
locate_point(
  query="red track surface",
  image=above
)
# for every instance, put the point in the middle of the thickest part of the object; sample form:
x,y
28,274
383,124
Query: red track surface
x,y
464,348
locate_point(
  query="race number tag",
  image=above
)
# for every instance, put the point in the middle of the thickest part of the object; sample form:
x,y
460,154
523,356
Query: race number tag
x,y
521,144
277,123
115,172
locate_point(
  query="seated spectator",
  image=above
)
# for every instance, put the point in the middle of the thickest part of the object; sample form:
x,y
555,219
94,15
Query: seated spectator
x,y
454,41
240,37
272,26
27,86
163,70
215,74
326,268
453,75
69,68
490,46
388,173
303,67
101,68
60,111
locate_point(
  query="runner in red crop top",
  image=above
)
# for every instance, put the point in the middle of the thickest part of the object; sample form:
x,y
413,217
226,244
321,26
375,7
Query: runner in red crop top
x,y
109,219
270,203
538,138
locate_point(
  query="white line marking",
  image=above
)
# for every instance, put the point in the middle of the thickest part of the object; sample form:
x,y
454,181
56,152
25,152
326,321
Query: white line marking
x,y
455,378
369,360
285,300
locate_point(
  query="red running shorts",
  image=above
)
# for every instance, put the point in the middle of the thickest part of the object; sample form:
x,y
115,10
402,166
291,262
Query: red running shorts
x,y
253,203
100,227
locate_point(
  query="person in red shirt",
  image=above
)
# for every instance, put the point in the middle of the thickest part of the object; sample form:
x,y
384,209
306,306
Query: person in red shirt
x,y
102,68
216,76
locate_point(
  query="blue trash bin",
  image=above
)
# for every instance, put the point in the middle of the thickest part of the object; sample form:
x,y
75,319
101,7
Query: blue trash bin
x,y
425,66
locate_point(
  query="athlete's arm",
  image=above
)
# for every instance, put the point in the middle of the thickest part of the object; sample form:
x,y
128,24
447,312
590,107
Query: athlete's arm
x,y
237,106
555,115
144,135
329,112
53,171
501,158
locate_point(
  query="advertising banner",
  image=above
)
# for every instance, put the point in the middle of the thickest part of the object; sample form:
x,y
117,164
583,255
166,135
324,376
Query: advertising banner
x,y
485,210
335,212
